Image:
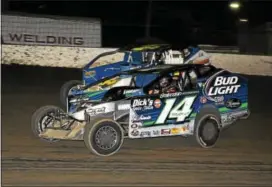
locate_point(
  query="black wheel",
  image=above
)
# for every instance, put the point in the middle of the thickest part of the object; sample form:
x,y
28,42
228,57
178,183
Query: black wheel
x,y
104,137
42,119
207,130
64,90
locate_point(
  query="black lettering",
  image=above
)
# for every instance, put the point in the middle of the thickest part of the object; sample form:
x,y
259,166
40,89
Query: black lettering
x,y
78,41
59,40
15,36
65,40
53,39
49,39
2,40
37,39
28,38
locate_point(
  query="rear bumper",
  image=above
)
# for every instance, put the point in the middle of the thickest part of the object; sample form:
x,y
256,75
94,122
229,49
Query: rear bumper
x,y
231,119
246,115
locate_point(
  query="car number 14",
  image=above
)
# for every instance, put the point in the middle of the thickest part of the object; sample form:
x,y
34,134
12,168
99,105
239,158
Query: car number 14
x,y
176,112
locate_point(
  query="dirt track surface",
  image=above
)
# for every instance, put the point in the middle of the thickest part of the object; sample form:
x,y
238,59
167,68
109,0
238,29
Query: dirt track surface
x,y
243,155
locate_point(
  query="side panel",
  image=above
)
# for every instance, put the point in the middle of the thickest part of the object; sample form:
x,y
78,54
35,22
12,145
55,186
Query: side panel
x,y
92,75
229,93
162,115
144,79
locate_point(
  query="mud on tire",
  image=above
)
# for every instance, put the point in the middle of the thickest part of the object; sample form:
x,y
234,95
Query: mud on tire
x,y
103,137
38,116
207,128
64,90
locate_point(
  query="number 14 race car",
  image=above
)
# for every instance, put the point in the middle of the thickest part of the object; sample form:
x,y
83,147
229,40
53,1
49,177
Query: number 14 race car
x,y
182,100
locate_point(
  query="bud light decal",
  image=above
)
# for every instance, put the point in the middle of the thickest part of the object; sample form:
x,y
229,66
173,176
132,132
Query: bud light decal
x,y
218,85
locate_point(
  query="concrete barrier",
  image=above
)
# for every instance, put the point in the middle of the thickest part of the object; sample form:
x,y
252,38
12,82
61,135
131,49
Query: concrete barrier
x,y
74,57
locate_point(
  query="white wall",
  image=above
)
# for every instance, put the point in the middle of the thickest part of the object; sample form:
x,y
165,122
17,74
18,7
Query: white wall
x,y
75,57
51,31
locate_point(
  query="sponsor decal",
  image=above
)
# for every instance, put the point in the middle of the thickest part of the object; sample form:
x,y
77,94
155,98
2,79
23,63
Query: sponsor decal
x,y
135,132
177,94
78,100
225,118
233,103
171,95
137,108
123,107
106,69
224,85
135,67
43,39
185,128
165,131
96,111
145,133
219,99
175,130
219,103
156,132
143,108
203,100
109,82
147,108
142,118
130,91
134,125
157,103
142,102
221,85
89,73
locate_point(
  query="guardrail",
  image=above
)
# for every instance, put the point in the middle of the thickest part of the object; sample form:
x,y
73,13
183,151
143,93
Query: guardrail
x,y
220,49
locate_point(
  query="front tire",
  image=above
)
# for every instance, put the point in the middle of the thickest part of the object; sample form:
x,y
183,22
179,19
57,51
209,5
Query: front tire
x,y
104,137
38,119
64,90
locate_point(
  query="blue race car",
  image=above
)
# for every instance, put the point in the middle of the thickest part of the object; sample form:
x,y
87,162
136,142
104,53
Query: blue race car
x,y
134,57
182,100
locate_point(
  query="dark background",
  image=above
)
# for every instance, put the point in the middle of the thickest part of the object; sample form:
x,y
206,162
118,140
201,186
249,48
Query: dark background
x,y
243,155
181,23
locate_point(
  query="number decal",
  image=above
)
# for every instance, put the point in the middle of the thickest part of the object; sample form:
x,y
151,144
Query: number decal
x,y
168,105
176,112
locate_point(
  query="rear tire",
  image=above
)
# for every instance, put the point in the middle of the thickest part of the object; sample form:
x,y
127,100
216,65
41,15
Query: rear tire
x,y
37,118
64,90
207,129
113,136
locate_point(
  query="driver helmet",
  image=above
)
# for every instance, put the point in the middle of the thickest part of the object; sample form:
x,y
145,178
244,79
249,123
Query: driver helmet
x,y
165,81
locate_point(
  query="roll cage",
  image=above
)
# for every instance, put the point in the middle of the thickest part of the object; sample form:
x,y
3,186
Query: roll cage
x,y
150,53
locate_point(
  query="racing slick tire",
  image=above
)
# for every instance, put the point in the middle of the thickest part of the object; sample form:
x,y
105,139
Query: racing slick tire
x,y
113,134
37,118
66,87
207,128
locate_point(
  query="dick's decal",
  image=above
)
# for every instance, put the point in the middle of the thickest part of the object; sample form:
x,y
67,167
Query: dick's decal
x,y
221,85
